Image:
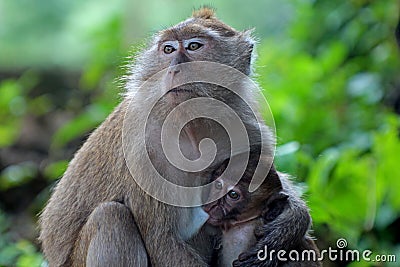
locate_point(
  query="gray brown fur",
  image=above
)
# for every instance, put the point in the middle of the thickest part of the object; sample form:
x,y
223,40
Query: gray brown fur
x,y
97,214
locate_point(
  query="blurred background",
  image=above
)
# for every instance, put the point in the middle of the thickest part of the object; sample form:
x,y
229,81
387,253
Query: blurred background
x,y
329,69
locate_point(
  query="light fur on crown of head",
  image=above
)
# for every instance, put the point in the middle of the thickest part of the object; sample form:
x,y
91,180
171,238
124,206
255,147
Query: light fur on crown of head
x,y
204,13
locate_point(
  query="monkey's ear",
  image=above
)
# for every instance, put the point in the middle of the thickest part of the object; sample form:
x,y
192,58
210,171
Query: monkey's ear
x,y
249,45
249,40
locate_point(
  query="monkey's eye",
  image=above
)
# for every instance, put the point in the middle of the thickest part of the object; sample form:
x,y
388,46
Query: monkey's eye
x,y
194,46
233,195
168,49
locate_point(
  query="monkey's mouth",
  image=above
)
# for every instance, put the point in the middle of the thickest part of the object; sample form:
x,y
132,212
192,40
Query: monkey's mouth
x,y
178,95
216,214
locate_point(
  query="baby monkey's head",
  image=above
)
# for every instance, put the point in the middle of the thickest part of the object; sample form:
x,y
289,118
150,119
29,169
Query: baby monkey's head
x,y
238,205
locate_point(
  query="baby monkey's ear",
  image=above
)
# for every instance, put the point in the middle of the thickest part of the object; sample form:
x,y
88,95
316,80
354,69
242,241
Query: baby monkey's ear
x,y
276,204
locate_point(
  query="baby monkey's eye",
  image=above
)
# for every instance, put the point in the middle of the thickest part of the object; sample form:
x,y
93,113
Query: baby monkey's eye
x,y
168,49
194,46
233,195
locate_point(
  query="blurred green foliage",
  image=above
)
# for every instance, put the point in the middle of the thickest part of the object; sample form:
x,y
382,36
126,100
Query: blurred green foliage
x,y
329,70
326,88
21,253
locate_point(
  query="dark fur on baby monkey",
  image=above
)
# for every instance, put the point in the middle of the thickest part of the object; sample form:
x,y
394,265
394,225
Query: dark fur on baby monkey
x,y
244,218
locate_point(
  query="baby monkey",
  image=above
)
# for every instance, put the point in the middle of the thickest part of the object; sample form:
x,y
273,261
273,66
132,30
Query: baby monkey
x,y
251,221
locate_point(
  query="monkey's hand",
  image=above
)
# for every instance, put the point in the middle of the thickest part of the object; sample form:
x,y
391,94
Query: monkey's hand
x,y
275,233
258,254
246,259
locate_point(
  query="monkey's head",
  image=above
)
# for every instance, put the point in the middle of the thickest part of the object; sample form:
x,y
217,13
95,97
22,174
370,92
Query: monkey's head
x,y
161,70
201,37
238,205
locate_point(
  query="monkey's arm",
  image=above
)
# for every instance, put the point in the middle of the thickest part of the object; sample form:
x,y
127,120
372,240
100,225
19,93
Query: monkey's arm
x,y
162,235
110,237
285,226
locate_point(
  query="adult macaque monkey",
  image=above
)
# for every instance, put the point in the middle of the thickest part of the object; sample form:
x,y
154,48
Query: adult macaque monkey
x,y
98,215
240,214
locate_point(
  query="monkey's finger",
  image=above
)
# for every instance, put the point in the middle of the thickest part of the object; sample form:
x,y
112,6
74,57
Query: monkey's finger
x,y
238,263
247,257
249,262
257,263
260,232
244,256
250,259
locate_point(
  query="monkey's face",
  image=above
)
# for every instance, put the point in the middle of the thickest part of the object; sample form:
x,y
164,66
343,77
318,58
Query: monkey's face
x,y
238,205
204,40
195,39
226,209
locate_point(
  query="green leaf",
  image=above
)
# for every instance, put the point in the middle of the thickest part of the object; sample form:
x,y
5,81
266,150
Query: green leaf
x,y
16,175
56,169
